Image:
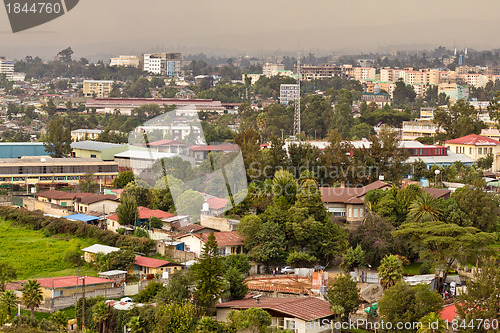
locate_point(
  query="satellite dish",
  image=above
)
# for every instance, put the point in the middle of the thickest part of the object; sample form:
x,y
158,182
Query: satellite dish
x,y
43,160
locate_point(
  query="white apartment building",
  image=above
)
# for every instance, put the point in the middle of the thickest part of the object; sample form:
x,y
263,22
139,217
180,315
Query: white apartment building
x,y
289,93
125,61
364,73
270,69
165,64
7,68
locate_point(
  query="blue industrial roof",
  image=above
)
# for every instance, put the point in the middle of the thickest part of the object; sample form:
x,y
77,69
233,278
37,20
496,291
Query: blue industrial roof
x,y
82,217
21,149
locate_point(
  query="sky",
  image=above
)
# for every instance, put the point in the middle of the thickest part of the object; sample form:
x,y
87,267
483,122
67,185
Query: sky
x,y
98,29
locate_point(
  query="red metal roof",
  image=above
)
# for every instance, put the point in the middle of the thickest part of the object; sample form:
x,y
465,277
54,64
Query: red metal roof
x,y
167,142
349,194
151,262
449,313
474,140
146,213
217,203
61,195
305,308
71,281
222,147
90,199
224,238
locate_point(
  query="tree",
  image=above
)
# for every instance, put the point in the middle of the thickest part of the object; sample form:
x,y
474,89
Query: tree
x,y
127,211
445,243
176,318
7,274
32,295
239,261
60,319
432,323
178,288
403,94
65,55
459,120
252,320
237,286
100,313
425,208
124,177
481,302
136,324
353,258
190,203
390,271
8,300
147,294
361,131
343,293
87,184
481,207
208,272
405,304
300,259
57,140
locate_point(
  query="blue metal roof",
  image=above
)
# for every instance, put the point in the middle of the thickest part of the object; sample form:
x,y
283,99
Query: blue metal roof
x,y
82,217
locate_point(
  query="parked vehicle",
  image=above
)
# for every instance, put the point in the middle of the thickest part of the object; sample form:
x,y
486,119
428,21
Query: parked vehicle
x,y
287,270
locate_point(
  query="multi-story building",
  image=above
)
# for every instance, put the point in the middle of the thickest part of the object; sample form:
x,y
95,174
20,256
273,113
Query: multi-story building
x,y
453,90
474,79
289,93
97,88
125,61
419,128
165,64
270,69
7,68
364,73
325,71
85,134
476,147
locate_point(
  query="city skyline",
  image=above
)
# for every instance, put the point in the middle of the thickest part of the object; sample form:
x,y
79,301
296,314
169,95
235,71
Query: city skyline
x,y
98,30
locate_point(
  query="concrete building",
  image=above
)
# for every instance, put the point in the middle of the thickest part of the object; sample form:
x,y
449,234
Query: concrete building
x,y
454,91
94,149
151,266
270,69
229,242
364,73
300,315
97,88
348,201
21,149
125,105
7,68
90,252
125,61
476,147
62,171
253,77
85,134
289,93
419,128
164,64
310,72
103,204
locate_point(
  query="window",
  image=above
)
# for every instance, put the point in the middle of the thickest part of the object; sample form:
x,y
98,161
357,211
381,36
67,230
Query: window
x,y
491,151
355,212
470,151
480,151
93,156
222,251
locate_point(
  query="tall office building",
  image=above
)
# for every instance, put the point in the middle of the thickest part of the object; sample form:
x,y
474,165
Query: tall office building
x,y
165,64
125,61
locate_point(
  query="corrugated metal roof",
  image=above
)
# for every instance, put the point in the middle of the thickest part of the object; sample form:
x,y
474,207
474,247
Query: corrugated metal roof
x,y
94,145
99,248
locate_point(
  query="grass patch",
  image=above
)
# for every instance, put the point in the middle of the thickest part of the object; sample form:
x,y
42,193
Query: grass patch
x,y
35,255
412,269
69,312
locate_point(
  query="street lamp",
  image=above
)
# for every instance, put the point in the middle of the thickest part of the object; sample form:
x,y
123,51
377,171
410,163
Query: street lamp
x,y
436,173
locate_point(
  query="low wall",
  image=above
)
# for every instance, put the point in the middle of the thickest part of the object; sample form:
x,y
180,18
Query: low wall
x,y
59,303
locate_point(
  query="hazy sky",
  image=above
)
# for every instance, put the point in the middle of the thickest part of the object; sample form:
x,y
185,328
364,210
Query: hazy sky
x,y
102,28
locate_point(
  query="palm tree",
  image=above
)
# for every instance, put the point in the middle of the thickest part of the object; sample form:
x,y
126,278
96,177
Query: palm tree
x,y
101,313
32,295
8,300
390,271
136,325
426,208
60,319
429,324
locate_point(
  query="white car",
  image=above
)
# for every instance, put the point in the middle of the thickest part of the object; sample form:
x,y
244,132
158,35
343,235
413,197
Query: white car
x,y
287,270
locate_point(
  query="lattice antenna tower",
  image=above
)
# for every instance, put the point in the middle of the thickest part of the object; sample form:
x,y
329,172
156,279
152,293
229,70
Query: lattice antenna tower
x,y
296,117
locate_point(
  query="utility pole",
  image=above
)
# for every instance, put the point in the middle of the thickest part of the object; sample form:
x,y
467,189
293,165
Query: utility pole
x,y
83,304
296,117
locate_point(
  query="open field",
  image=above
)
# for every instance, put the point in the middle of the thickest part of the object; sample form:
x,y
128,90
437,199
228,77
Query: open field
x,y
35,256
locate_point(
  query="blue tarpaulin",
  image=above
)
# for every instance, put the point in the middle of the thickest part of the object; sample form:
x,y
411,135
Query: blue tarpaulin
x,y
83,218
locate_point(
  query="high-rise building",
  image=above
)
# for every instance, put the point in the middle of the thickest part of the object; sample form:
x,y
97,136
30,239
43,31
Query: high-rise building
x,y
95,88
165,64
270,69
289,93
7,68
125,61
